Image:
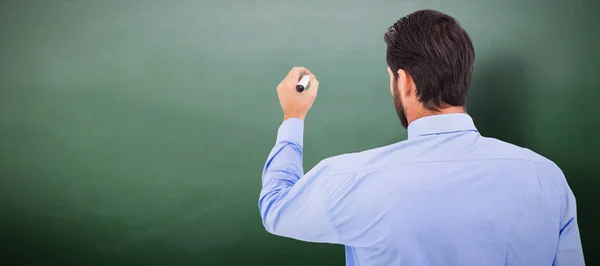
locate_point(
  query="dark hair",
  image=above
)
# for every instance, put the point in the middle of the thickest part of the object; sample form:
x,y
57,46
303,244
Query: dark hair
x,y
437,53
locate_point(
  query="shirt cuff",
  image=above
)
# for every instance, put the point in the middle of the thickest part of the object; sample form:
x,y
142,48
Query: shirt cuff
x,y
292,130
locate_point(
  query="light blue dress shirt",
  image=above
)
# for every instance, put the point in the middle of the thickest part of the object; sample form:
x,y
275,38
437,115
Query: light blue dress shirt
x,y
444,196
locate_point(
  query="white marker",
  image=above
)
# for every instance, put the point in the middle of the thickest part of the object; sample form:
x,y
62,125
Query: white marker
x,y
303,83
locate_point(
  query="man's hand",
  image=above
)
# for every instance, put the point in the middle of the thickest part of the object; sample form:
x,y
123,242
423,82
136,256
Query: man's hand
x,y
296,104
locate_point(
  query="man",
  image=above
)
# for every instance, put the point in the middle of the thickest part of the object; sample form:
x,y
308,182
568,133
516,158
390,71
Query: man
x,y
445,196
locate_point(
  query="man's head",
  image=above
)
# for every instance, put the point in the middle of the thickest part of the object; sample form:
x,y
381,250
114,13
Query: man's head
x,y
430,63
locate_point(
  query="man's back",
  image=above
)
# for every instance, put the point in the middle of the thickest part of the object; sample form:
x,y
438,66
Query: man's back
x,y
445,196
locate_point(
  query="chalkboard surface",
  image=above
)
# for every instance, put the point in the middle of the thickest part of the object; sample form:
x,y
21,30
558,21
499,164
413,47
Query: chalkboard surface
x,y
134,132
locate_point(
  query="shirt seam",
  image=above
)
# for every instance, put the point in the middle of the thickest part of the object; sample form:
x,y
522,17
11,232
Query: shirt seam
x,y
327,211
437,161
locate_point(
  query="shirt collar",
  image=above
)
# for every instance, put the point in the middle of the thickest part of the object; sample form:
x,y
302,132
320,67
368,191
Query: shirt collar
x,y
439,124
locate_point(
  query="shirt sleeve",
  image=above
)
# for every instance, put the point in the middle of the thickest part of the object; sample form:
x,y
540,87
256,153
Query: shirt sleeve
x,y
293,204
569,251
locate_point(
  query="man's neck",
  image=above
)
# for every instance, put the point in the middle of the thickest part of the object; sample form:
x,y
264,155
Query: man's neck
x,y
447,110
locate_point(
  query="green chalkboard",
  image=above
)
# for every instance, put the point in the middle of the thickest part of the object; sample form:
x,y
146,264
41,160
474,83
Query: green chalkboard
x,y
134,132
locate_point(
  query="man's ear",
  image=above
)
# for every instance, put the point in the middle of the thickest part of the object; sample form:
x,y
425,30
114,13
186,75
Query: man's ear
x,y
406,86
392,80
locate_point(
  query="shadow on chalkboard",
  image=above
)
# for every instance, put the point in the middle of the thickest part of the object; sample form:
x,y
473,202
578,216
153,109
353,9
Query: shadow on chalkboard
x,y
498,99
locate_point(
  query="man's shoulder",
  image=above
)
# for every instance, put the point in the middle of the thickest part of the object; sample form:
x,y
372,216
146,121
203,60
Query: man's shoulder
x,y
485,148
543,166
503,149
364,160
